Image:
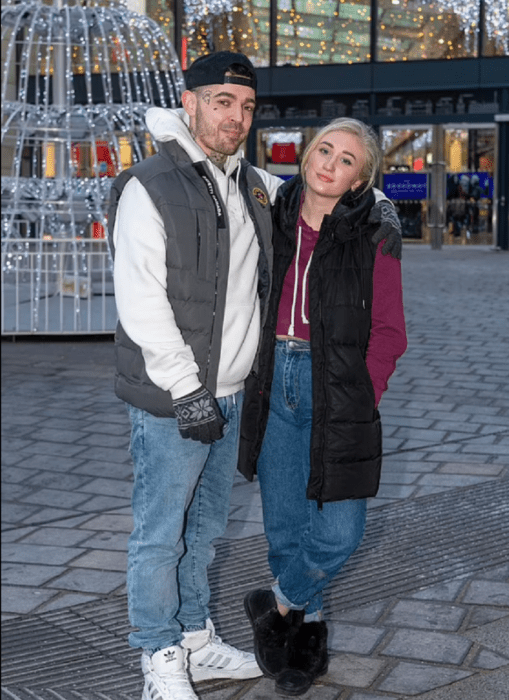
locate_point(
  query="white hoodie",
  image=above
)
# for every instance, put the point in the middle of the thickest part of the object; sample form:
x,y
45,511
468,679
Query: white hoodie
x,y
140,274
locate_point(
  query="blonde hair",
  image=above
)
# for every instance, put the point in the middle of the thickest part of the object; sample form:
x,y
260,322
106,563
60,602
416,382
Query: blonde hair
x,y
366,135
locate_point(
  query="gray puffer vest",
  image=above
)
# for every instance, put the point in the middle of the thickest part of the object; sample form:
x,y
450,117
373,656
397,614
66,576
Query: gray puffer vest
x,y
197,261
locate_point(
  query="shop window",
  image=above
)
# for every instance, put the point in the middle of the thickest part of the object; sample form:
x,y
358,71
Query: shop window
x,y
323,31
410,30
244,26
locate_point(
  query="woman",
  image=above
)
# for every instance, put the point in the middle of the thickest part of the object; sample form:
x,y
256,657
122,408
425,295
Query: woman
x,y
311,427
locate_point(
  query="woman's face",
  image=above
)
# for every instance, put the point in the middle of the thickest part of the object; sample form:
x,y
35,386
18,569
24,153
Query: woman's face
x,y
335,164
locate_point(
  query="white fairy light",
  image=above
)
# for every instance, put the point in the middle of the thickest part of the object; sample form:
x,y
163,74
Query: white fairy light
x,y
496,18
75,76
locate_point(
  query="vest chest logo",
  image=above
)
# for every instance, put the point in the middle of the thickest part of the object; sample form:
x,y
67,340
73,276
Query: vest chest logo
x,y
261,196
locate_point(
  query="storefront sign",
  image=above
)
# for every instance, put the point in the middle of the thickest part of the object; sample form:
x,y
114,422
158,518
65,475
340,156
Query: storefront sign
x,y
406,185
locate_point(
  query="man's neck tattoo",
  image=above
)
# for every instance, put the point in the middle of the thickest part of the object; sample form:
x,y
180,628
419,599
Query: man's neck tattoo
x,y
218,159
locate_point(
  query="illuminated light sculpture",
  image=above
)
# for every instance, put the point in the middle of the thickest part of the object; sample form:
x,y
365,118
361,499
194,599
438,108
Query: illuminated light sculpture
x,y
77,80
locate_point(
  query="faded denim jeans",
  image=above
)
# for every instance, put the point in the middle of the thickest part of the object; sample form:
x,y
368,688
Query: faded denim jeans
x,y
307,546
181,498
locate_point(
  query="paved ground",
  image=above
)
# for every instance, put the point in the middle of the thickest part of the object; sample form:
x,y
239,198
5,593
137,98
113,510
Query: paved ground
x,y
420,611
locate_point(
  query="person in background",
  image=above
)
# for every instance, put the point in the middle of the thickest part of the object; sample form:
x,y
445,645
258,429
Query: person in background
x,y
191,232
311,426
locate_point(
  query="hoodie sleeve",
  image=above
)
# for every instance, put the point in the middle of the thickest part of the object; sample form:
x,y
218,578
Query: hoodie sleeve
x,y
140,293
388,340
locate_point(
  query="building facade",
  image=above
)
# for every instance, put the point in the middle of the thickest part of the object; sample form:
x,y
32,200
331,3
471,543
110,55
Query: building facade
x,y
431,75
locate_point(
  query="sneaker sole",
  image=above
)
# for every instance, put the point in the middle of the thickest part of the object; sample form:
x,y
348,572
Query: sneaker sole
x,y
199,675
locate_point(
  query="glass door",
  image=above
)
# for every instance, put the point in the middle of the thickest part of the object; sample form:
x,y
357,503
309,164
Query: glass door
x,y
406,170
470,161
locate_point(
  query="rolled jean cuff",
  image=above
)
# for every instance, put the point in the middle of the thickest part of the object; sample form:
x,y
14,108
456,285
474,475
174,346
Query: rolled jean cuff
x,y
283,600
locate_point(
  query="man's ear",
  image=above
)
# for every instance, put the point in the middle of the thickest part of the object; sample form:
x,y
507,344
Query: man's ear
x,y
189,101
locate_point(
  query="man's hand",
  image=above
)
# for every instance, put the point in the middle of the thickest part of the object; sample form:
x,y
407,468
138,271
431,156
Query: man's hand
x,y
199,417
383,213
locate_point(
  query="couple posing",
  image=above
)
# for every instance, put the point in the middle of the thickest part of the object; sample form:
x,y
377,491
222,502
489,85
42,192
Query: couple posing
x,y
259,324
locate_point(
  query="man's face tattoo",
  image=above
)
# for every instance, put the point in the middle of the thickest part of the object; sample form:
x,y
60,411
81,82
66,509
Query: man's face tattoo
x,y
222,120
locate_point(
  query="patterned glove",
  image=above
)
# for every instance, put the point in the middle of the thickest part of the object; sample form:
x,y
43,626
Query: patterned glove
x,y
384,213
199,417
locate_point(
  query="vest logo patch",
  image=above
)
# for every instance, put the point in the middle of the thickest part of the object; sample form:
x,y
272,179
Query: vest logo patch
x,y
261,196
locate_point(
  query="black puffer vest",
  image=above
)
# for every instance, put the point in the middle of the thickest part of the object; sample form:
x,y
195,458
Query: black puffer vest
x,y
346,442
197,259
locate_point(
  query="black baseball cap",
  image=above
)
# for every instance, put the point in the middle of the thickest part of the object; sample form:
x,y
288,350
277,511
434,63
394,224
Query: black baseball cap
x,y
211,69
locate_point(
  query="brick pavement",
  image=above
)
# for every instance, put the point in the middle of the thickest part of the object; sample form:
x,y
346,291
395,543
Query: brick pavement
x,y
66,514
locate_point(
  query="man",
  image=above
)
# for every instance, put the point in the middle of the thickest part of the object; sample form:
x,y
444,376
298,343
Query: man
x,y
191,231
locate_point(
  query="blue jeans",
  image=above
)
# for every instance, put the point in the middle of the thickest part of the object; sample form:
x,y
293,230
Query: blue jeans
x,y
307,546
181,498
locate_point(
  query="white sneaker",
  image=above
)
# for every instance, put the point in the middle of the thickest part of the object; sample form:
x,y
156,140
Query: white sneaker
x,y
210,657
166,677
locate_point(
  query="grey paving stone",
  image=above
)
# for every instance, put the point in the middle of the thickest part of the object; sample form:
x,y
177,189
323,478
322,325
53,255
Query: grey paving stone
x,y
15,492
489,660
425,435
462,428
251,513
108,487
105,454
98,504
36,554
428,646
482,615
53,516
238,530
264,690
54,497
112,470
354,638
365,614
107,540
397,477
13,534
425,615
111,522
9,458
110,427
103,440
29,574
67,521
393,464
16,512
446,592
493,635
354,671
413,679
439,456
13,444
487,593
89,581
497,573
49,462
56,449
56,536
57,435
368,696
481,686
453,480
104,560
57,480
393,491
21,600
471,468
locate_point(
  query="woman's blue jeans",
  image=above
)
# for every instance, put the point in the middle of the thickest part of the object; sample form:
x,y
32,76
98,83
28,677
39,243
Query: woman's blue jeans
x,y
307,546
181,498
